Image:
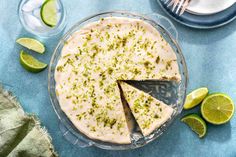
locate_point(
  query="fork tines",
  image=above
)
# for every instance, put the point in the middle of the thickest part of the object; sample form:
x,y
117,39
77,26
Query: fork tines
x,y
178,6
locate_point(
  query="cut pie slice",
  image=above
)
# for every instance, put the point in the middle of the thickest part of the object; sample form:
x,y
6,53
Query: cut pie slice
x,y
149,112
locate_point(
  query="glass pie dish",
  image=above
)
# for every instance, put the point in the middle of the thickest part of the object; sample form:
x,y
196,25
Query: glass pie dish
x,y
171,93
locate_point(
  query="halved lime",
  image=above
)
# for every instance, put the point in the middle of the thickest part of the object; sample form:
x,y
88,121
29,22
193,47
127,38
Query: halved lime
x,y
196,123
217,108
195,97
48,13
30,63
31,44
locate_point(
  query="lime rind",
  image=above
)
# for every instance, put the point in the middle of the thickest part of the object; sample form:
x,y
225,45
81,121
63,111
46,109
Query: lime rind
x,y
30,63
219,115
48,13
196,123
195,97
31,44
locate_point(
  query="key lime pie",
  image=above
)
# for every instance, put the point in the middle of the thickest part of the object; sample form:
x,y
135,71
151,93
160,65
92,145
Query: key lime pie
x,y
149,112
98,57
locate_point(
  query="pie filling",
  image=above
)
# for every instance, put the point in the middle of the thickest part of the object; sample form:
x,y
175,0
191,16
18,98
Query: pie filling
x,y
149,112
91,62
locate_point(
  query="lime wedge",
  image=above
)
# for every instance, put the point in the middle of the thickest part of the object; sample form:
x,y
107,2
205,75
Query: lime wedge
x,y
195,97
48,13
196,123
31,44
217,108
30,63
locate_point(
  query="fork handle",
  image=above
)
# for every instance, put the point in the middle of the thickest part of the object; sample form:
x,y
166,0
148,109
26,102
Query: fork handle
x,y
165,23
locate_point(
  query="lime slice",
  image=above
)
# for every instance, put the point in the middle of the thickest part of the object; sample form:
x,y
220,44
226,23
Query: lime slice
x,y
31,44
196,123
48,13
30,63
195,97
217,108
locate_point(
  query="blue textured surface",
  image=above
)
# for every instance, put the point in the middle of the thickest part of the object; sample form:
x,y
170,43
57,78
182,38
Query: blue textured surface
x,y
211,60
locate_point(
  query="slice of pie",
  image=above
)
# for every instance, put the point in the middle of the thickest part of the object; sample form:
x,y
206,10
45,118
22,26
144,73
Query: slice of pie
x,y
149,112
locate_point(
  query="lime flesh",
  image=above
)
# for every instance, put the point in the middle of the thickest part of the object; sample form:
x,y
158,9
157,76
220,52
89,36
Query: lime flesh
x,y
48,13
196,123
31,44
217,108
195,97
30,63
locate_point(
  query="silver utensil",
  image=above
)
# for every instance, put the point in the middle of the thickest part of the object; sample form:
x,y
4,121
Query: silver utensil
x,y
178,6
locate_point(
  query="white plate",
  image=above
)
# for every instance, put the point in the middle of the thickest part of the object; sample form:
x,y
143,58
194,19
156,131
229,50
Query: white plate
x,y
207,7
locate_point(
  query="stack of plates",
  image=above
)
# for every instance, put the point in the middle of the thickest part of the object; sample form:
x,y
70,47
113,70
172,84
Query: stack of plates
x,y
205,13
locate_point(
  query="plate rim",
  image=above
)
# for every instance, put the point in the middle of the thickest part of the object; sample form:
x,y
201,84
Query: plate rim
x,y
208,14
196,26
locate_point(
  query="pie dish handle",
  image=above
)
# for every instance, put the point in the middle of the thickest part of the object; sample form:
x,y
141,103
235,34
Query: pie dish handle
x,y
70,137
165,23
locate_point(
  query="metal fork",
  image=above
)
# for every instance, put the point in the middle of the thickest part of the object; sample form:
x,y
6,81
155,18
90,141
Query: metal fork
x,y
181,5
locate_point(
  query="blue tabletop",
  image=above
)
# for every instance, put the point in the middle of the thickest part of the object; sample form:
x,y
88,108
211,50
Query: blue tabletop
x,y
211,60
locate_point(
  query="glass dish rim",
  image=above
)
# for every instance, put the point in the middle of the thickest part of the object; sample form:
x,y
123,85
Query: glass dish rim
x,y
74,29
